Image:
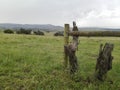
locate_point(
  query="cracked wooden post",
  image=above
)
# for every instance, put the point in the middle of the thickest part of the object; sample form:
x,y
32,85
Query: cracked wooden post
x,y
104,61
70,51
66,42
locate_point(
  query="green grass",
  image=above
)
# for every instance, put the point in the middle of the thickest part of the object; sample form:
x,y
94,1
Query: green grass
x,y
29,62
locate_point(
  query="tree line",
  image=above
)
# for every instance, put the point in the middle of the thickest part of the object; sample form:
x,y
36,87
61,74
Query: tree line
x,y
23,31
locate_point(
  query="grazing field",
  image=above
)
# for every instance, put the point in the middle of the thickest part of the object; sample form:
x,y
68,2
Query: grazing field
x,y
30,62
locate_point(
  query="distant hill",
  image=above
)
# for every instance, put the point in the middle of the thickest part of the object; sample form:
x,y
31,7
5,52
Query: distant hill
x,y
49,27
44,27
98,29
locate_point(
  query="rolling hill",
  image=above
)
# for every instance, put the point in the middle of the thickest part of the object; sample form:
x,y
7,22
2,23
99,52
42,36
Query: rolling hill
x,y
45,27
50,27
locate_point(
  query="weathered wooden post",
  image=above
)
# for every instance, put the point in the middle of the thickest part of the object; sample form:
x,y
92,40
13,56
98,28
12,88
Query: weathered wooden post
x,y
66,42
70,51
104,61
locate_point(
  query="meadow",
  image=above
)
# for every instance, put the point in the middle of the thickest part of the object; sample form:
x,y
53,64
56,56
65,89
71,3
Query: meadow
x,y
31,62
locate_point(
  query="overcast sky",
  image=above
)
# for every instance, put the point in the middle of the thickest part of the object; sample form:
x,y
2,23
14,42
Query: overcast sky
x,y
94,13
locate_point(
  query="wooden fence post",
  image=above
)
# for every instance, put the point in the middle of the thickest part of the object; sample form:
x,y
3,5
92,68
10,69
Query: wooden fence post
x,y
104,61
66,42
70,49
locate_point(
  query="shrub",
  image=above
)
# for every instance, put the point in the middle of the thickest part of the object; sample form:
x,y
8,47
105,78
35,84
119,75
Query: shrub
x,y
59,33
24,31
9,31
38,33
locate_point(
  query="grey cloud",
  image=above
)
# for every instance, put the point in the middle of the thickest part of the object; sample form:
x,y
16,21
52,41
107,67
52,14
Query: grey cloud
x,y
85,12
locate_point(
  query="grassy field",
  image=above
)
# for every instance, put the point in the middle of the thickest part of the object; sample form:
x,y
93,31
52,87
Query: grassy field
x,y
29,62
